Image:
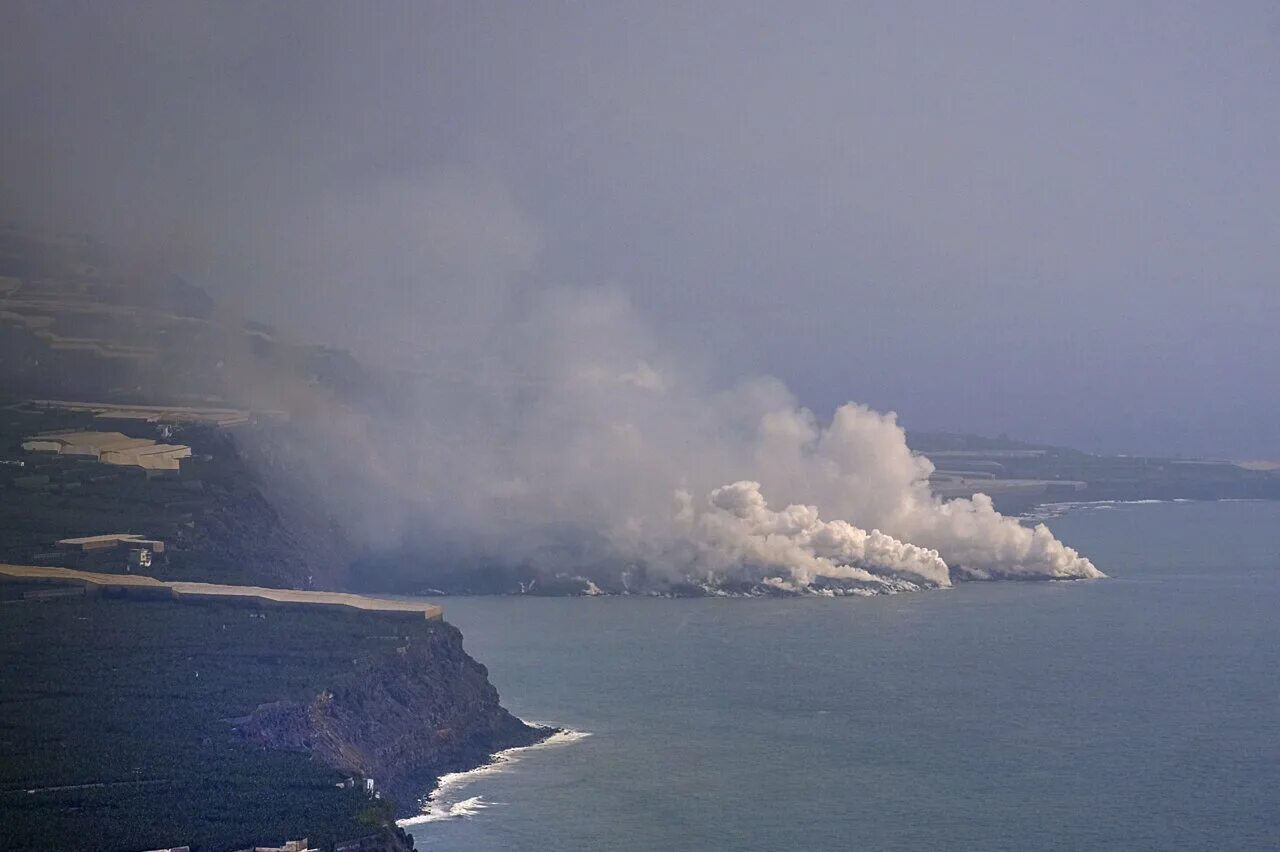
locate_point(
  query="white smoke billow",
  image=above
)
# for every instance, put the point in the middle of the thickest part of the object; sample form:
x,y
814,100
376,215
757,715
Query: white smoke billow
x,y
739,529
579,447
525,425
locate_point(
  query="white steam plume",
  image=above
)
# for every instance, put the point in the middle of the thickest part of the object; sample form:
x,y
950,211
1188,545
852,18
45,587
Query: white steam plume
x,y
560,449
738,529
342,179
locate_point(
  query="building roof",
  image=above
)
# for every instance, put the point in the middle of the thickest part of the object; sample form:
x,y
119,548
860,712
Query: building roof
x,y
111,448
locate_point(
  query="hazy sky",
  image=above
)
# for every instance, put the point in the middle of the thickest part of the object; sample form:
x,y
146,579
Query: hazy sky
x,y
1055,220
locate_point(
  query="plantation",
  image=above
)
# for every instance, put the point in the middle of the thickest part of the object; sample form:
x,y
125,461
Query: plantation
x,y
127,705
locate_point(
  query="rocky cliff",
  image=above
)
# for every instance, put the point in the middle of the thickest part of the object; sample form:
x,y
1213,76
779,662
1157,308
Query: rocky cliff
x,y
402,718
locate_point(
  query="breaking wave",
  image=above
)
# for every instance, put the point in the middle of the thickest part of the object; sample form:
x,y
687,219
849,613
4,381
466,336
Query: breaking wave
x,y
443,803
1049,511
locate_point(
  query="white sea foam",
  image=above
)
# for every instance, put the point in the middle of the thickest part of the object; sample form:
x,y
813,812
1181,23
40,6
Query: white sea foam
x,y
443,803
1049,511
457,810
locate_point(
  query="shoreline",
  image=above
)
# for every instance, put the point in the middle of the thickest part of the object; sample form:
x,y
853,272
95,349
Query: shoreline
x,y
1048,511
432,809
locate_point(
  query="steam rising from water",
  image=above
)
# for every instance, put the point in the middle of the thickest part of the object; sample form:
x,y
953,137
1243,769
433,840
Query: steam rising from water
x,y
576,445
358,179
740,529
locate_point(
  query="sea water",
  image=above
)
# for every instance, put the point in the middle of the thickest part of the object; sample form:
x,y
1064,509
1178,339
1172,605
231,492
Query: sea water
x,y
1139,712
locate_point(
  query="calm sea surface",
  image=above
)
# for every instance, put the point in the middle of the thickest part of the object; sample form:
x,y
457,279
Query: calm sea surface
x,y
1141,712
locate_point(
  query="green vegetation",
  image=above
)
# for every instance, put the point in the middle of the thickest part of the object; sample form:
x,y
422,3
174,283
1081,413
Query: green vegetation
x,y
136,696
213,517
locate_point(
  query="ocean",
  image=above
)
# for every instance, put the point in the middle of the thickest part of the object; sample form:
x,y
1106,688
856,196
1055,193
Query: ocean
x,y
1134,713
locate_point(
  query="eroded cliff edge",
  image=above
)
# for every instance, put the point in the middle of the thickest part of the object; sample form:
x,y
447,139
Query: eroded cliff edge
x,y
403,717
339,693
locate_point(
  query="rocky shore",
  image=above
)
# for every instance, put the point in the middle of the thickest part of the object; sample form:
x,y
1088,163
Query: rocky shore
x,y
403,718
223,725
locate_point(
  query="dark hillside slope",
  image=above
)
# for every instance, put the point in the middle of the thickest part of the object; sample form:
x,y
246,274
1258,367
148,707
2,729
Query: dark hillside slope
x,y
215,516
121,716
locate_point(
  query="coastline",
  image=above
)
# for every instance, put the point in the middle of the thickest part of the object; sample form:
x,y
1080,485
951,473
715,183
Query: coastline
x,y
434,806
1047,511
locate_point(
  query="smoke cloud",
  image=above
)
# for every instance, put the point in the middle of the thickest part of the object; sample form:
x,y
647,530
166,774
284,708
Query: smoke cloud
x,y
576,443
432,186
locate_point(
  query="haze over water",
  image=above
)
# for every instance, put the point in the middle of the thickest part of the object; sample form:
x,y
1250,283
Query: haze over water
x,y
1140,712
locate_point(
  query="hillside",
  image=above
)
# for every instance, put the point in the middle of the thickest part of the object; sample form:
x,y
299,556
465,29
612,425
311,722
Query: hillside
x,y
137,724
77,321
1019,475
212,513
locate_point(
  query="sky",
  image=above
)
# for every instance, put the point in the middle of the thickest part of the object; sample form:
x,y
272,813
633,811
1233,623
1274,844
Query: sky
x,y
1053,221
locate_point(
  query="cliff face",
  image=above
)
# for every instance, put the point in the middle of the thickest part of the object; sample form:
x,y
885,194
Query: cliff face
x,y
403,718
